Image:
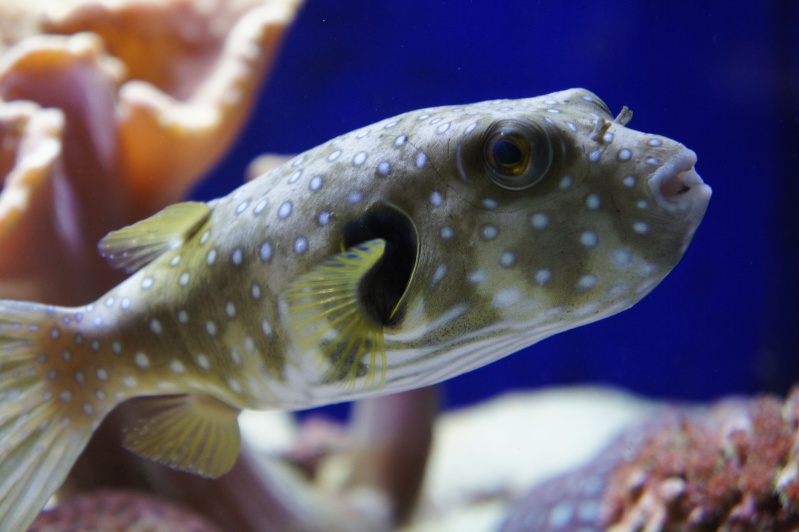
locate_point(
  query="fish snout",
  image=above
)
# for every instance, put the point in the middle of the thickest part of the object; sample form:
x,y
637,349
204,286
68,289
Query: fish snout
x,y
677,188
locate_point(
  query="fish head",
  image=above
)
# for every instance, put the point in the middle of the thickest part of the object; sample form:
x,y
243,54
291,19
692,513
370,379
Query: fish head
x,y
536,216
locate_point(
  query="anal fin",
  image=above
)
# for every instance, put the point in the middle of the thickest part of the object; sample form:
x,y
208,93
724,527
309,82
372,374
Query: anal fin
x,y
194,433
135,246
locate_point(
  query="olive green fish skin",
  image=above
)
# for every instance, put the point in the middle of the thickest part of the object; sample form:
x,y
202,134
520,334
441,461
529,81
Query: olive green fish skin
x,y
390,258
498,269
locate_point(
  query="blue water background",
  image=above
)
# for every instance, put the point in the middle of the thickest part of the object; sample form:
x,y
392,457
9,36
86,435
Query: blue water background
x,y
720,77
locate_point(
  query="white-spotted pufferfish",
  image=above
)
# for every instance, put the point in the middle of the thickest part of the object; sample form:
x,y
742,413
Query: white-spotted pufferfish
x,y
389,258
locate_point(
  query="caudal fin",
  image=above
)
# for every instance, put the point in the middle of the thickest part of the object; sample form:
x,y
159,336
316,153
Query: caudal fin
x,y
42,426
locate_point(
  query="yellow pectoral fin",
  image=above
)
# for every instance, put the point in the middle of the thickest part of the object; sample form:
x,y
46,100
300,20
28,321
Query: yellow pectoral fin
x,y
326,312
194,433
135,246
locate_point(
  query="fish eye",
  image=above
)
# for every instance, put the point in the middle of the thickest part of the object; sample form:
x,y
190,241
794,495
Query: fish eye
x,y
517,155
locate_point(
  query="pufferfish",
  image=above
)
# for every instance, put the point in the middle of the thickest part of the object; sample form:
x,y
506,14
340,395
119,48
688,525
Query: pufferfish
x,y
390,258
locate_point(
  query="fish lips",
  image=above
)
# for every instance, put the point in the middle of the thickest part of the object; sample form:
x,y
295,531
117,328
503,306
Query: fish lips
x,y
678,189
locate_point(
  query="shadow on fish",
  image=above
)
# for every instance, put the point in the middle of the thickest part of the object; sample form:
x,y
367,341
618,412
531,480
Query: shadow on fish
x,y
390,258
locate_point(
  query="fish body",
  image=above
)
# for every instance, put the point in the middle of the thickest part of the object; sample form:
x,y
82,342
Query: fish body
x,y
389,258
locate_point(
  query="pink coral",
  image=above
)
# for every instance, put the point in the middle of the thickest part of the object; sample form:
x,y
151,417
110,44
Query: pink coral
x,y
120,510
726,471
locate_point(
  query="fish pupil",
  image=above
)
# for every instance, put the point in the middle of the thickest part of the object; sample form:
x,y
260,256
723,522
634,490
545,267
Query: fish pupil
x,y
508,155
382,288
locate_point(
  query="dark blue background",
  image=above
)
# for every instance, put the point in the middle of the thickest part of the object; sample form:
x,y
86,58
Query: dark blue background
x,y
721,77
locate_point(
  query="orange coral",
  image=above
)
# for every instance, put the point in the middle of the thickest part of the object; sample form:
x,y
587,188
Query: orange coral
x,y
127,105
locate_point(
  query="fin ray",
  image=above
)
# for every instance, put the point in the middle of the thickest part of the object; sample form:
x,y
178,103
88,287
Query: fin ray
x,y
135,246
39,442
325,302
194,433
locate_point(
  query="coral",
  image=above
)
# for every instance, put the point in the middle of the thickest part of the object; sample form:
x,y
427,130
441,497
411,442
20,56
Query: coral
x,y
119,510
127,131
733,470
731,467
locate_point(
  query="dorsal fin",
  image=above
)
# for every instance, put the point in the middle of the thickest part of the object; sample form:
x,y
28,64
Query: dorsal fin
x,y
135,246
194,433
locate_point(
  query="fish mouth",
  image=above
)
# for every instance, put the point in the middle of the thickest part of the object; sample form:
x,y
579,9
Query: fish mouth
x,y
677,187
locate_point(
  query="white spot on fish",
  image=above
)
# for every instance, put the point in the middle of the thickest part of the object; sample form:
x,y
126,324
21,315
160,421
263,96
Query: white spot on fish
x,y
300,245
177,367
436,199
655,142
447,232
629,181
295,177
285,210
266,251
324,218
66,354
592,202
561,515
266,327
594,155
384,168
230,310
333,156
489,232
391,124
211,258
204,237
316,183
242,206
354,197
183,317
255,291
65,396
359,158
478,277
147,283
260,206
237,257
640,228
439,274
490,203
539,220
95,345
505,298
625,155
235,356
109,302
298,161
589,239
116,347
141,360
125,303
470,128
203,361
234,385
79,378
401,140
587,282
443,128
155,327
566,182
421,160
542,277
507,259
210,327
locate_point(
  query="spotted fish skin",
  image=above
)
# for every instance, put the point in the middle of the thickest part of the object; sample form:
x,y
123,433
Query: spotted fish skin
x,y
389,258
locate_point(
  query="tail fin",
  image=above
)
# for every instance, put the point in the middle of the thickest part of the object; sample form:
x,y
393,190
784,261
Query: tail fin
x,y
41,430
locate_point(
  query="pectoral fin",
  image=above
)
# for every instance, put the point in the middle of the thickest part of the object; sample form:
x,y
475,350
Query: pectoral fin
x,y
194,433
328,314
135,246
